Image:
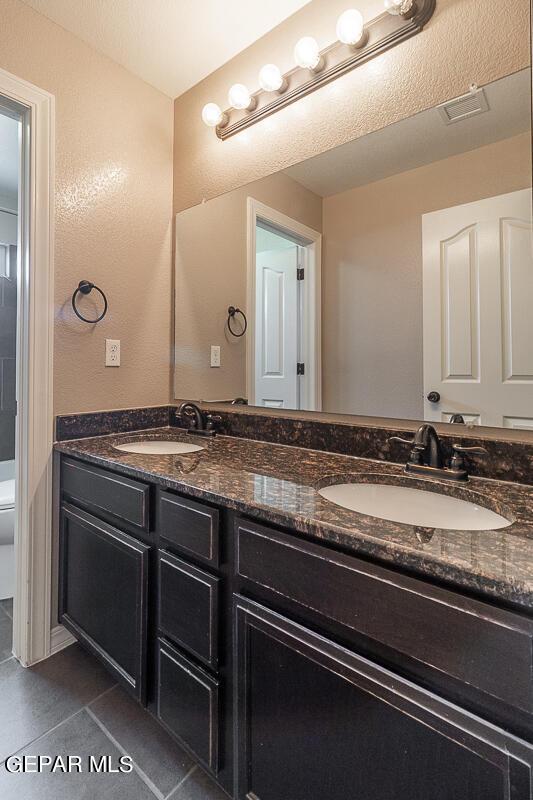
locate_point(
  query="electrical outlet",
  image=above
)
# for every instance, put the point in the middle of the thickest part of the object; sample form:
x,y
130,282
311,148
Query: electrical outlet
x,y
112,352
215,355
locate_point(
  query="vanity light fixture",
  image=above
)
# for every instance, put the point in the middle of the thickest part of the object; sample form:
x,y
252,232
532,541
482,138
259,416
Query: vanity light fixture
x,y
213,115
357,43
399,7
307,54
271,79
351,28
240,98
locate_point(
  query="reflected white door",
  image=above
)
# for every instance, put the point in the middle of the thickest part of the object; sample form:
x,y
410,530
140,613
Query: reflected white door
x,y
276,334
478,311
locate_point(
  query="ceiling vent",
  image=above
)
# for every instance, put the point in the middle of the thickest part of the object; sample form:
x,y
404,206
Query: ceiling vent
x,y
464,107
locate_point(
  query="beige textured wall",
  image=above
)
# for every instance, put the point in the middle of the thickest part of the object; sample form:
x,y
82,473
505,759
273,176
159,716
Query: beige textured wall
x,y
466,41
113,212
372,275
211,275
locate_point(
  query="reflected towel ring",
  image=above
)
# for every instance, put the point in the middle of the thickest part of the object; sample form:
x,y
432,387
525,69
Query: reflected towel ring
x,y
232,311
86,287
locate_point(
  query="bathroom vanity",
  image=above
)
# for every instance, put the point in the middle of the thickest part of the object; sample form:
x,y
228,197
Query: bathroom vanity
x,y
297,649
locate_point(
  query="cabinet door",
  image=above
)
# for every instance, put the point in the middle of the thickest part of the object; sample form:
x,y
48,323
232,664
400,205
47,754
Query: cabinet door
x,y
187,704
314,721
103,586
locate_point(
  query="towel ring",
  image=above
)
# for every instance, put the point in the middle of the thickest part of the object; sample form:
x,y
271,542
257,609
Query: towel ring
x,y
86,287
232,311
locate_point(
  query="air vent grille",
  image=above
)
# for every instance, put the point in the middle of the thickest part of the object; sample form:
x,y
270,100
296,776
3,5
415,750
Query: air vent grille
x,y
464,107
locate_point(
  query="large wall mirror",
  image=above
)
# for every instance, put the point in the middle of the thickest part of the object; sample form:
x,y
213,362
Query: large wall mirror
x,y
390,277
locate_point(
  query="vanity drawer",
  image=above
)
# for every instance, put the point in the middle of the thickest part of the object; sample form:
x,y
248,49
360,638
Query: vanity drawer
x,y
187,704
487,648
188,607
189,526
124,498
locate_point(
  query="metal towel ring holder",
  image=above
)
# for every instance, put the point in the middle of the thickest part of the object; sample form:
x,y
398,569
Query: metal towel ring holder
x,y
232,311
86,287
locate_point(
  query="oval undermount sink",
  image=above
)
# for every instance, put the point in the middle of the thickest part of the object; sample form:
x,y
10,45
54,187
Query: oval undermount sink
x,y
411,506
158,447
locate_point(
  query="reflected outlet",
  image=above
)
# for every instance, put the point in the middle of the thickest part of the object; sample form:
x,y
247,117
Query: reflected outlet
x,y
215,355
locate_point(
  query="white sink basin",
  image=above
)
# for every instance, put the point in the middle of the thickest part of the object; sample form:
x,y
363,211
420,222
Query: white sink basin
x,y
413,506
159,447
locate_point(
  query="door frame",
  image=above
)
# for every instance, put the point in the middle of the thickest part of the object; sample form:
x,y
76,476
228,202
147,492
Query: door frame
x,y
34,424
311,241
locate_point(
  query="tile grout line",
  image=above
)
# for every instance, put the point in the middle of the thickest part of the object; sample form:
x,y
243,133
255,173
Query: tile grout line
x,y
42,735
55,727
142,775
178,785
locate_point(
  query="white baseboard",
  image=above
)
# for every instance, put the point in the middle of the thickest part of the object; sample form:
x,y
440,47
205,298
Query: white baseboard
x,y
59,639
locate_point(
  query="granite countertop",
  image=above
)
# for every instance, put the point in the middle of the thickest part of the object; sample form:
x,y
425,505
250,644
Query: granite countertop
x,y
278,484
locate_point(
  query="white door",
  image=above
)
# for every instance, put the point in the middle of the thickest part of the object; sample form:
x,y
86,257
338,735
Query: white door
x,y
276,328
478,311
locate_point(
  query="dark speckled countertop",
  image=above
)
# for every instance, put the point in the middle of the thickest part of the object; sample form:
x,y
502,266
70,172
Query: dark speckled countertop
x,y
278,484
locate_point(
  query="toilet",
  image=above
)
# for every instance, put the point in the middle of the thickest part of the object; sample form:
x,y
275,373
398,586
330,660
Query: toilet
x,y
7,529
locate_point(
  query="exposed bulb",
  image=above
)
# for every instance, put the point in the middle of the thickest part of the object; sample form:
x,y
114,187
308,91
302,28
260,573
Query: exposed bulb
x,y
212,115
270,78
307,53
394,7
350,27
239,97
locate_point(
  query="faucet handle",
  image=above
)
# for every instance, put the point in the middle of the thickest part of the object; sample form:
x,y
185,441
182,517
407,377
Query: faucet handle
x,y
189,419
457,463
211,421
475,451
401,439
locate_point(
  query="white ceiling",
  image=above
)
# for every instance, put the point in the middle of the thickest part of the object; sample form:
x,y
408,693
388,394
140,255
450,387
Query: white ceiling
x,y
9,161
171,44
418,140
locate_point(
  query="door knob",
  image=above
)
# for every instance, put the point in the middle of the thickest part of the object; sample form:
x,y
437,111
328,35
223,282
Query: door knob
x,y
434,397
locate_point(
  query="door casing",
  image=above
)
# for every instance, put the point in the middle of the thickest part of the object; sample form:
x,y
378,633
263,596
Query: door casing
x,y
33,639
311,242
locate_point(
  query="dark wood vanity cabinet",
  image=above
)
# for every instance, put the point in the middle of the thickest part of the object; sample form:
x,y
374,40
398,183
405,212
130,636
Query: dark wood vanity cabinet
x,y
103,595
289,670
316,721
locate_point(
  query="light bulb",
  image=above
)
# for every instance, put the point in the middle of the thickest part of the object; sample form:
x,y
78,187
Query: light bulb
x,y
239,97
307,53
271,79
350,27
394,7
212,115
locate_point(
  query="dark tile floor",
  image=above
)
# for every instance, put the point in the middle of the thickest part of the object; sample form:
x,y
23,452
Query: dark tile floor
x,y
68,705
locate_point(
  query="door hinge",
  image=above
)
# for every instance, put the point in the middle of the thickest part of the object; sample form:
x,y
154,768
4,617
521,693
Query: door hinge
x,y
300,274
300,368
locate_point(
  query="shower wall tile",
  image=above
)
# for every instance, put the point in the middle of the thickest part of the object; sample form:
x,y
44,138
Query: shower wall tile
x,y
8,343
7,384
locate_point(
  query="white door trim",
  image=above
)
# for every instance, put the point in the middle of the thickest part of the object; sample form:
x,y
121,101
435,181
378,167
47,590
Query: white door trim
x,y
311,240
33,523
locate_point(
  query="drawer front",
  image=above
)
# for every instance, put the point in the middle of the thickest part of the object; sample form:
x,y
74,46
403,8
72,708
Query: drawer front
x,y
187,704
487,648
188,607
191,527
103,594
125,498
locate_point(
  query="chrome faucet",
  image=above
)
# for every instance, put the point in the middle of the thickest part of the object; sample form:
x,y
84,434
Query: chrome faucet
x,y
426,456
